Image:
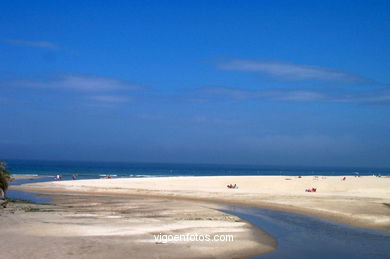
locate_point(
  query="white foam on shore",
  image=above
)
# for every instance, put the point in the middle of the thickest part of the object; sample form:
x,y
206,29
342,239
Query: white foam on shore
x,y
25,174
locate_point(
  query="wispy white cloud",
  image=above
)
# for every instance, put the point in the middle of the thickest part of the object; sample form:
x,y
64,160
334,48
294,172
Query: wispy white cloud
x,y
212,120
109,99
79,82
151,117
38,44
220,93
94,90
374,97
295,95
292,72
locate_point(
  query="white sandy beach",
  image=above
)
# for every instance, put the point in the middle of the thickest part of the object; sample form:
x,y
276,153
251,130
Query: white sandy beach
x,y
359,201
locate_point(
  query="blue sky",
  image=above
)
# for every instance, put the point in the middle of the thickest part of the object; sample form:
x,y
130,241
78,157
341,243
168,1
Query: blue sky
x,y
244,82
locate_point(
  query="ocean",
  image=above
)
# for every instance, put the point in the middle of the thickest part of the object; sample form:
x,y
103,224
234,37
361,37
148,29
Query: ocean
x,y
93,170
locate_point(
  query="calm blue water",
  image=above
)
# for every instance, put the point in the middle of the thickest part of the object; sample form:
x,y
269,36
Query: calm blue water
x,y
28,196
301,236
118,169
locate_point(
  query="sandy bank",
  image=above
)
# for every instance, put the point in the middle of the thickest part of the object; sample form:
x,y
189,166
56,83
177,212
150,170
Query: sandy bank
x,y
360,201
85,226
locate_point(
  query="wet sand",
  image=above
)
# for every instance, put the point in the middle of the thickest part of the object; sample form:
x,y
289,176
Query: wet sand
x,y
102,226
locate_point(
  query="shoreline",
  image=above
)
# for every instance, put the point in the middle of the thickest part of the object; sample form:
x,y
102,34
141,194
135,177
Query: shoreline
x,y
106,226
359,201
